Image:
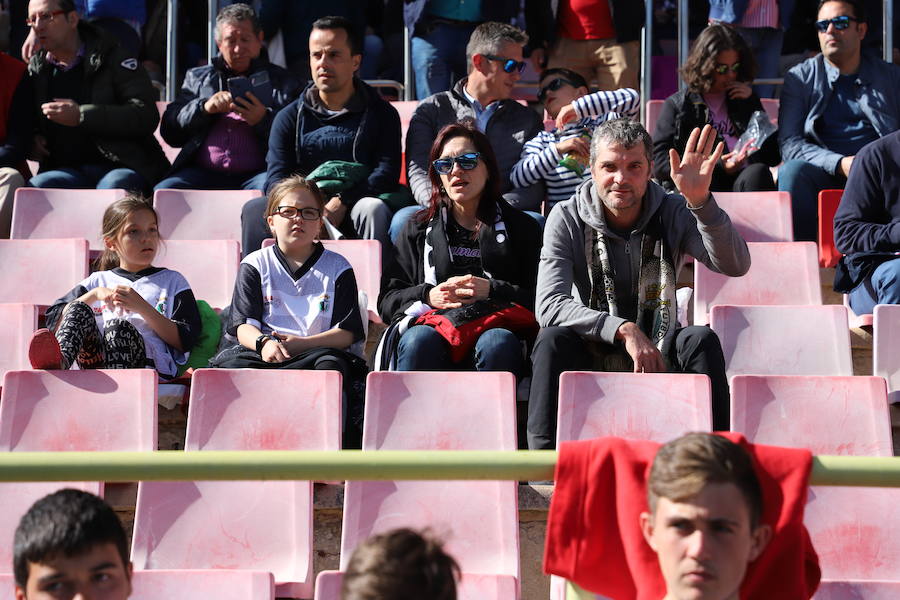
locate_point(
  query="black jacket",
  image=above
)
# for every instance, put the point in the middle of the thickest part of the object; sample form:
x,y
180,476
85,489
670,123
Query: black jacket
x,y
685,110
185,124
512,263
121,115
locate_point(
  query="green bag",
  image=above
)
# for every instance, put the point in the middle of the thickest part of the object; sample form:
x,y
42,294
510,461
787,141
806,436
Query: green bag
x,y
207,342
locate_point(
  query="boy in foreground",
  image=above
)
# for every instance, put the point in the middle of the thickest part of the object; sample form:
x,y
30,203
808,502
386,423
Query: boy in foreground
x,y
71,544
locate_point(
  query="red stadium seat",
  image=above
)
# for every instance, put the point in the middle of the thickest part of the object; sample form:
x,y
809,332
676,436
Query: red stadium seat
x,y
759,216
210,266
40,271
51,213
828,204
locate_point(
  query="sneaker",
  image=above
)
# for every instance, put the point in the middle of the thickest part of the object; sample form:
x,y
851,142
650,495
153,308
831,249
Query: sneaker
x,y
44,351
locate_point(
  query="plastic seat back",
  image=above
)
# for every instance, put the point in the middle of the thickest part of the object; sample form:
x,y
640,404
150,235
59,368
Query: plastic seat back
x,y
15,500
19,322
201,214
202,585
644,406
858,590
40,271
170,151
82,411
226,410
828,415
405,108
886,347
53,213
210,266
470,586
440,411
783,340
365,258
770,105
828,205
652,111
759,216
780,273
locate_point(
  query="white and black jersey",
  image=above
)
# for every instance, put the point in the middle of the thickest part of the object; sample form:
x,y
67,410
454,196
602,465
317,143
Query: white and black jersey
x,y
166,290
319,296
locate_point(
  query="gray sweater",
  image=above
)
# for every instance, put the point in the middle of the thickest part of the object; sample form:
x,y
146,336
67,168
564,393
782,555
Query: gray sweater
x,y
705,233
508,129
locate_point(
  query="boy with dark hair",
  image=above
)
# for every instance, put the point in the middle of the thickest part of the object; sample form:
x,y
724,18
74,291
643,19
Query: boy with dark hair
x,y
400,565
71,543
704,521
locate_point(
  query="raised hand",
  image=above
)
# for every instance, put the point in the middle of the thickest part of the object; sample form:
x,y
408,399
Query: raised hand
x,y
693,173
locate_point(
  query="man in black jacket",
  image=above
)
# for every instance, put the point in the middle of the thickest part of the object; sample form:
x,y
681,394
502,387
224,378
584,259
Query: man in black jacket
x,y
224,138
337,117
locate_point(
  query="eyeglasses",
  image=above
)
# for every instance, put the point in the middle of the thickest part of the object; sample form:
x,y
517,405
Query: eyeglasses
x,y
721,69
840,23
45,16
509,65
466,162
291,212
553,86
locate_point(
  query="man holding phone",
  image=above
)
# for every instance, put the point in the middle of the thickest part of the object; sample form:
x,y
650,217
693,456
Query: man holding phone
x,y
222,117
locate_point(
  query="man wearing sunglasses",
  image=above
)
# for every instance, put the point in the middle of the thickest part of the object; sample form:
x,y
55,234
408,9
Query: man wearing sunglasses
x,y
494,55
831,106
558,158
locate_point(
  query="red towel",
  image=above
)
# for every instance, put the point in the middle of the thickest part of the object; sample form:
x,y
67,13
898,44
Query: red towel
x,y
594,538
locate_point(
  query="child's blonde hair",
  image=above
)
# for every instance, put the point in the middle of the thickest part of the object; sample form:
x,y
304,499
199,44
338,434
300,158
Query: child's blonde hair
x,y
289,185
114,218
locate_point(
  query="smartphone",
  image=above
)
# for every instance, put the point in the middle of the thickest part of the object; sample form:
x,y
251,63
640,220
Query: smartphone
x,y
239,86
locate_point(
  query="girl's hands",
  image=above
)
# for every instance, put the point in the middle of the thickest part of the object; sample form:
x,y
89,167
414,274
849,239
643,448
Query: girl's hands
x,y
127,298
275,350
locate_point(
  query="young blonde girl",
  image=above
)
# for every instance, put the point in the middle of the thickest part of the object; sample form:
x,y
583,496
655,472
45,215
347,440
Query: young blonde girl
x,y
128,314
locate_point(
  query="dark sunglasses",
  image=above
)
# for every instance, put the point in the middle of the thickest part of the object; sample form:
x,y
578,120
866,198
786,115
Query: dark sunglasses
x,y
509,65
292,212
552,87
722,69
466,162
840,23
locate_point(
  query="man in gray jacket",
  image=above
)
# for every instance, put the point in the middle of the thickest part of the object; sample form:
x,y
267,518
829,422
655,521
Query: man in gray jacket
x,y
619,241
494,56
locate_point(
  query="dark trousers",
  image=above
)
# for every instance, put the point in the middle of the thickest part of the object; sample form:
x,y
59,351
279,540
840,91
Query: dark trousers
x,y
755,177
557,349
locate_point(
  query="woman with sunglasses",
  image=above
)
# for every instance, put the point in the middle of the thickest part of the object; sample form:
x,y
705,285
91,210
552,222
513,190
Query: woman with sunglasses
x,y
468,245
295,304
718,73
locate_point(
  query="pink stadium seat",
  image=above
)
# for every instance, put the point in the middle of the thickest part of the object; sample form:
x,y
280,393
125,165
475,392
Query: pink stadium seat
x,y
202,585
828,415
645,406
471,586
652,110
48,213
168,150
365,258
97,409
886,347
210,266
405,108
40,271
770,105
417,411
780,273
828,204
265,525
783,340
19,322
15,500
201,214
858,590
759,216
225,410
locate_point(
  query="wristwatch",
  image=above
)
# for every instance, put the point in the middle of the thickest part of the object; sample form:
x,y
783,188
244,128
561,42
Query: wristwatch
x,y
261,341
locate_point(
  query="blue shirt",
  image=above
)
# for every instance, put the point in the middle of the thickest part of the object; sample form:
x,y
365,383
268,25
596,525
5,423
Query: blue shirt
x,y
458,10
483,114
844,128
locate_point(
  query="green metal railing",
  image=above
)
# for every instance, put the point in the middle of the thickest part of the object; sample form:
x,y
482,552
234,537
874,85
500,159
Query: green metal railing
x,y
357,465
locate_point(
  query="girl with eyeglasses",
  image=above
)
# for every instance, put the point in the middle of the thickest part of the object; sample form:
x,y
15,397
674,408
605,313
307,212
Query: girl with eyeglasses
x,y
718,73
468,246
295,304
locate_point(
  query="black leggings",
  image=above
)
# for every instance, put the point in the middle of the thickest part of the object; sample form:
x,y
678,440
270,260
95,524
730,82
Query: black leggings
x,y
119,346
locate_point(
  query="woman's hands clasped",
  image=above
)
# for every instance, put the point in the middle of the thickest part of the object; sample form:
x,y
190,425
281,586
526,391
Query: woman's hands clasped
x,y
459,290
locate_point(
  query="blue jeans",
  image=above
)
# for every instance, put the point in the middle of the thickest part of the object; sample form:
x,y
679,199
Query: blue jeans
x,y
421,348
765,42
804,181
882,287
439,58
197,178
100,177
405,214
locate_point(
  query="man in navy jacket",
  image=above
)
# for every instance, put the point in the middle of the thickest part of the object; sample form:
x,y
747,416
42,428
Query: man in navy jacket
x,y
337,117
